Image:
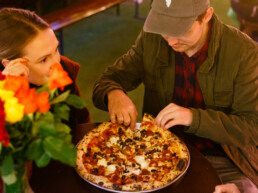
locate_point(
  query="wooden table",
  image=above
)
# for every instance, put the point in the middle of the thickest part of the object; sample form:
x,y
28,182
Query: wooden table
x,y
201,177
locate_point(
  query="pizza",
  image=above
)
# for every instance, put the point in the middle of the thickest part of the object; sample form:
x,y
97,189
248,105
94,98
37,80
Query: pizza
x,y
115,157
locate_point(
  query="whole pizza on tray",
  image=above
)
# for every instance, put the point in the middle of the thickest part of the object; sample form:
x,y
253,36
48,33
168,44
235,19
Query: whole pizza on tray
x,y
115,157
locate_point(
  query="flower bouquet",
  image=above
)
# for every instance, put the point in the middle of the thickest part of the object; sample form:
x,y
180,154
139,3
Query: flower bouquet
x,y
32,126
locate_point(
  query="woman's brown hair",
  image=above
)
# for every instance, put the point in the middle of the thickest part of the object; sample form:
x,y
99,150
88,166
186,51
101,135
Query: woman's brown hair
x,y
17,28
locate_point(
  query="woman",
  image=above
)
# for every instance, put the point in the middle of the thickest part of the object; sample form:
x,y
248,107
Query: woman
x,y
29,47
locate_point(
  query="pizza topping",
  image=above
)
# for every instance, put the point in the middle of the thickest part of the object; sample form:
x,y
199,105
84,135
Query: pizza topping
x,y
102,162
180,164
141,160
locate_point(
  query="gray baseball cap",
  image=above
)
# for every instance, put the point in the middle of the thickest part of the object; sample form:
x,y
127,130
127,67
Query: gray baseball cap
x,y
174,17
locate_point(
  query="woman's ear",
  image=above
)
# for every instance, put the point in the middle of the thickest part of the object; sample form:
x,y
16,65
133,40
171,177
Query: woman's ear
x,y
5,62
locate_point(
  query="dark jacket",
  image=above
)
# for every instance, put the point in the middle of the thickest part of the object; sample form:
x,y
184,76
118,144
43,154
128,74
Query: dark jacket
x,y
77,116
228,79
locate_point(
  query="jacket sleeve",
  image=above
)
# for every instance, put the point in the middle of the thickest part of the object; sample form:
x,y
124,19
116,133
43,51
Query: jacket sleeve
x,y
124,74
239,126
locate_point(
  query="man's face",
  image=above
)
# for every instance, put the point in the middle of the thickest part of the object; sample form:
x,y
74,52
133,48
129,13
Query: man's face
x,y
191,42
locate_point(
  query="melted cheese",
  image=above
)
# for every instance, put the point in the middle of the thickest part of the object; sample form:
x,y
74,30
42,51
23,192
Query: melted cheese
x,y
112,141
110,169
102,162
141,160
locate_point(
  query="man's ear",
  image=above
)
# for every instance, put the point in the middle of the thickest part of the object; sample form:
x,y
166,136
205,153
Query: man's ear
x,y
208,15
5,62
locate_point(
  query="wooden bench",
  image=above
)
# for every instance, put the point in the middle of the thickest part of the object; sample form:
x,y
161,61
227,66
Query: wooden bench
x,y
76,12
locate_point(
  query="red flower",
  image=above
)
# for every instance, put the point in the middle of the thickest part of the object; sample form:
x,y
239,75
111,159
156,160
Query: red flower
x,y
2,77
43,103
4,138
58,77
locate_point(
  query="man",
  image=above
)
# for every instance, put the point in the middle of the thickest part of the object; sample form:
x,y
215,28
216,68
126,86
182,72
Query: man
x,y
198,73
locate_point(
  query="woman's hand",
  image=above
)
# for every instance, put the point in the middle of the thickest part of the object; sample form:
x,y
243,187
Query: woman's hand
x,y
121,108
226,188
17,67
173,115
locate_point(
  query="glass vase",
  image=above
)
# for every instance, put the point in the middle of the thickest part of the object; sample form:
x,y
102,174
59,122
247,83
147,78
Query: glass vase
x,y
22,183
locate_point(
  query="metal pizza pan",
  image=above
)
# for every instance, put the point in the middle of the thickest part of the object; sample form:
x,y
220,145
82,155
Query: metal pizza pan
x,y
174,182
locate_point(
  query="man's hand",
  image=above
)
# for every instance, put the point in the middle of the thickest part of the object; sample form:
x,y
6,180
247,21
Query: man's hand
x,y
121,108
226,188
17,67
173,115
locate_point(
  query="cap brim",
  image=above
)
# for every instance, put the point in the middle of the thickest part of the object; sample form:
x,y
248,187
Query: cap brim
x,y
167,25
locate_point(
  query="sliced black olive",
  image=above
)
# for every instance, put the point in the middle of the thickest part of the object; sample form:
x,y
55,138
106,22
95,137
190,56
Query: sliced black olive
x,y
143,133
174,154
134,165
128,140
158,134
154,170
134,177
180,164
139,187
120,131
165,147
116,187
136,138
95,171
87,154
95,155
101,183
126,171
143,146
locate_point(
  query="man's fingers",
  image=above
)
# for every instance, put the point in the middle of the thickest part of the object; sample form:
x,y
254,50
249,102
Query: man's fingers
x,y
133,117
120,118
113,118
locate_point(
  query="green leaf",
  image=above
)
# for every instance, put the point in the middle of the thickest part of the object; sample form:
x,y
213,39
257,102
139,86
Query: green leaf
x,y
64,136
52,145
35,149
75,101
43,160
7,166
43,88
48,117
68,154
58,150
61,98
61,127
62,111
46,129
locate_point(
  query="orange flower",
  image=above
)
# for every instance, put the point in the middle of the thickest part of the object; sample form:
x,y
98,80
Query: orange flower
x,y
43,103
16,83
58,77
28,98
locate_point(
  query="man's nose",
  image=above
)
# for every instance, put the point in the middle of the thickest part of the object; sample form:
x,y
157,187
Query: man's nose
x,y
172,41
